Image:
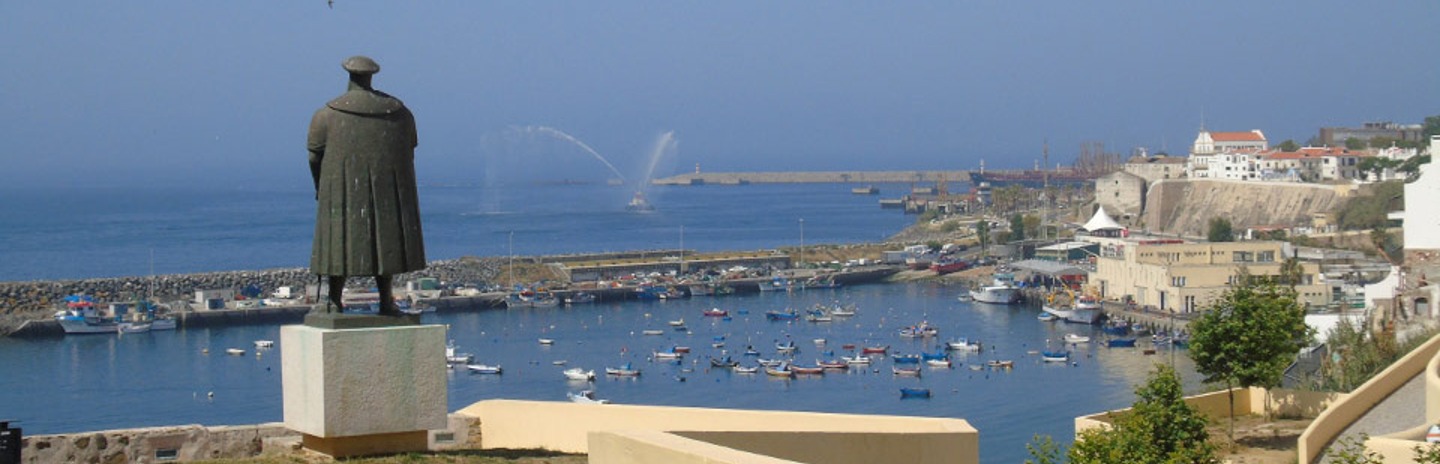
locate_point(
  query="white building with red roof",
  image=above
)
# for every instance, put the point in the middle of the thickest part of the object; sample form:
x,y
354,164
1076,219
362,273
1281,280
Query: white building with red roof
x,y
1209,143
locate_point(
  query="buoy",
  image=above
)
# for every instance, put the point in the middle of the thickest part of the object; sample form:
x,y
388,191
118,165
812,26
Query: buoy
x,y
210,395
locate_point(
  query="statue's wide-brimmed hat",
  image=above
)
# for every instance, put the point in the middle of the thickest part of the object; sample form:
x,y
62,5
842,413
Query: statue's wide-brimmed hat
x,y
360,65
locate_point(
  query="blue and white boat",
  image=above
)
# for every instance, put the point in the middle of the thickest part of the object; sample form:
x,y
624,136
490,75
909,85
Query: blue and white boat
x,y
81,316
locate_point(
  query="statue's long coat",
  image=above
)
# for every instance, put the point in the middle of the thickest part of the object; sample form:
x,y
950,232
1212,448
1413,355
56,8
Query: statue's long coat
x,y
362,154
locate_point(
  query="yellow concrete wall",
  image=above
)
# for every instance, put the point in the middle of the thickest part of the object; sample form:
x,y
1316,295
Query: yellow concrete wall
x,y
1248,401
1432,390
569,427
1340,415
1399,447
652,447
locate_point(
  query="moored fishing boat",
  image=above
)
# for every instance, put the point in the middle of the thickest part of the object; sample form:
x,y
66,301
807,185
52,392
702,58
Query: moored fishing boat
x,y
1000,364
906,392
786,315
576,373
586,397
905,371
484,369
906,359
857,359
964,345
132,327
779,370
1002,290
1055,356
1083,309
264,343
625,370
804,370
1120,343
715,312
639,204
745,370
832,364
777,284
581,298
1076,338
938,363
875,349
80,316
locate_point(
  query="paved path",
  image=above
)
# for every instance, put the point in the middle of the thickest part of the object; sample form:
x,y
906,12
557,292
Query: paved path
x,y
1402,410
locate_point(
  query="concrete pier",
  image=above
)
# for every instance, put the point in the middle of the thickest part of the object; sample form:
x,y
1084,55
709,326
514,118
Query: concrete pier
x,y
813,177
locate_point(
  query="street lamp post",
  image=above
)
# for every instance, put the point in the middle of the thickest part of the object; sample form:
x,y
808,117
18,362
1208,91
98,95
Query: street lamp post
x,y
802,242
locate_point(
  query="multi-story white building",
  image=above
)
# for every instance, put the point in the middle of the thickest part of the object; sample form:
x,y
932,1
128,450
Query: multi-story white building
x,y
1232,164
1209,143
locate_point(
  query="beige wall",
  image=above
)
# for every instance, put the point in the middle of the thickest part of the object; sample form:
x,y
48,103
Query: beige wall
x,y
1144,272
1122,194
1340,415
571,427
1248,402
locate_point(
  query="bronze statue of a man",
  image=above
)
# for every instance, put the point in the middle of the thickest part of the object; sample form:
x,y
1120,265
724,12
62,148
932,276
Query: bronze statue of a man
x,y
362,157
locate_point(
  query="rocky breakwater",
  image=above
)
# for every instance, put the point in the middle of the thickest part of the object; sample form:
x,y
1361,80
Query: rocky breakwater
x,y
37,300
1185,206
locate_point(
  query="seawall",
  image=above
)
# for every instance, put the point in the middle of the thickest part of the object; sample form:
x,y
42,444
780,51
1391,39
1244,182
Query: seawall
x,y
1185,206
815,177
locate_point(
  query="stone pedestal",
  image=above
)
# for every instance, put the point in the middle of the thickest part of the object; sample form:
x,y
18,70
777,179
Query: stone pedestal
x,y
355,392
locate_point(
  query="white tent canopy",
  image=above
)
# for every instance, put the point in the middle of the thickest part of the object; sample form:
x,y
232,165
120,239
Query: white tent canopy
x,y
1101,221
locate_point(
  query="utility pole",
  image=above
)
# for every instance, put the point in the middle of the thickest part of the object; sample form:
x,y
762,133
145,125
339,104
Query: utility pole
x,y
802,242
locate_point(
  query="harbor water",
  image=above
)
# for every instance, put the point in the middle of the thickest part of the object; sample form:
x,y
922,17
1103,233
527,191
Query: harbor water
x,y
82,383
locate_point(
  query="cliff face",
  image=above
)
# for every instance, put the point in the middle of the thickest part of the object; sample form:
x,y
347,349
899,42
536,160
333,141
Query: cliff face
x,y
1185,206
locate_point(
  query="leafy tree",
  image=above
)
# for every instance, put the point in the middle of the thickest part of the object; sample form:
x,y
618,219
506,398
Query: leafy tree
x,y
1411,167
949,227
1248,336
982,230
1289,145
1432,127
1292,273
1376,165
1017,227
1032,225
1043,449
1160,428
1353,143
1221,230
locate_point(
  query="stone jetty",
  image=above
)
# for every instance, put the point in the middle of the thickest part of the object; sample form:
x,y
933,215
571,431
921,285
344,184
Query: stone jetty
x,y
20,301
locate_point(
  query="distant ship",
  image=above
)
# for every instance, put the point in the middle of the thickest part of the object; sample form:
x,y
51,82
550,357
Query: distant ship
x,y
638,203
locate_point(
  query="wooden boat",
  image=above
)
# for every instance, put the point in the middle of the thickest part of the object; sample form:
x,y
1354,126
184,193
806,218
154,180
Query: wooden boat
x,y
781,370
769,362
906,359
726,363
998,364
547,341
914,392
905,371
807,370
1055,356
652,332
785,315
857,359
623,371
875,349
848,346
786,348
680,349
678,323
832,364
1120,343
586,397
483,368
1076,338
938,363
935,355
579,374
715,312
667,355
745,370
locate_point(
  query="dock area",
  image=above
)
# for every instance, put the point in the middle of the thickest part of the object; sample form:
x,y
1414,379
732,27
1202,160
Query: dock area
x,y
813,177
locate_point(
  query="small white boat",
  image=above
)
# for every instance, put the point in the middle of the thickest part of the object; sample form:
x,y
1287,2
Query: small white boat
x,y
819,342
162,323
235,351
857,359
1076,338
677,323
586,397
1002,291
938,362
483,368
667,355
579,374
452,356
1051,356
622,371
1046,317
264,343
547,341
652,332
745,370
964,345
906,372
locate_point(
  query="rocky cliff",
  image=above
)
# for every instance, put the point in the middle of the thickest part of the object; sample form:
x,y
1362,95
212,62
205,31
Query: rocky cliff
x,y
1185,206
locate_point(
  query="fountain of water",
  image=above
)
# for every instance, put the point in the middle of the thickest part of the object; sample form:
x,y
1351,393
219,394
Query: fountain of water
x,y
558,134
665,143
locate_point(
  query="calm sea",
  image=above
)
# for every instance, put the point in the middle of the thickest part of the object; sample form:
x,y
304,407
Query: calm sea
x,y
112,231
81,383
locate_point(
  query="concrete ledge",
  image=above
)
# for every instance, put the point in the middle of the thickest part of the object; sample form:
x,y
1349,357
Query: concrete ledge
x,y
652,447
1340,415
784,435
1248,402
369,445
1398,447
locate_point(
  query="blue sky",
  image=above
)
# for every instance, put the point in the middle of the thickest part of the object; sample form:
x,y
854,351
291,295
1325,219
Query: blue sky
x,y
220,93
